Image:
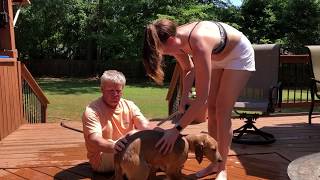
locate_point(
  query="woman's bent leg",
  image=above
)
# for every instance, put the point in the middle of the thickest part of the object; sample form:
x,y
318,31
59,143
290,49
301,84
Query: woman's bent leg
x,y
231,84
212,123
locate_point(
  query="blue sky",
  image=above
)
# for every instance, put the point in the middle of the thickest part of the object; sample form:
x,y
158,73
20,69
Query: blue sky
x,y
236,2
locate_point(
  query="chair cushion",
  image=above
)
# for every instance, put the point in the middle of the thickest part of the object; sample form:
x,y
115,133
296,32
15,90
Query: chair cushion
x,y
252,105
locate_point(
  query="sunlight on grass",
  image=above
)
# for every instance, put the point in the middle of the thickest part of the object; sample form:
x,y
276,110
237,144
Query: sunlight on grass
x,y
69,97
150,100
290,95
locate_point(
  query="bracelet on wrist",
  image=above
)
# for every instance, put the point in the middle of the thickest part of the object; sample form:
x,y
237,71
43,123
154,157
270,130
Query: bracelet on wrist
x,y
178,127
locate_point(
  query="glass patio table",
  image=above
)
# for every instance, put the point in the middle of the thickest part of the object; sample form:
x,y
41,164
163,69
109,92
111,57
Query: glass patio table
x,y
305,168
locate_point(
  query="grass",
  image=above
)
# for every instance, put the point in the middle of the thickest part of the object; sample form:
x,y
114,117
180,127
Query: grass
x,y
290,95
68,97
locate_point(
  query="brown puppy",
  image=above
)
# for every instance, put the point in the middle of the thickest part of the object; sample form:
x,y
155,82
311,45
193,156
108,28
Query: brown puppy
x,y
140,158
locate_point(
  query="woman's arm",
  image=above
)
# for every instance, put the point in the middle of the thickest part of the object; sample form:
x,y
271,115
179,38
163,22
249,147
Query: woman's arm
x,y
202,42
188,75
201,50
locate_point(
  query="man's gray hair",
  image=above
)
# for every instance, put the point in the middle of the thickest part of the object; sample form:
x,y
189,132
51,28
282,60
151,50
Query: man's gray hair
x,y
113,76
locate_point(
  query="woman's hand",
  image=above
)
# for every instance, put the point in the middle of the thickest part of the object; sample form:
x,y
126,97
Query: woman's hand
x,y
168,140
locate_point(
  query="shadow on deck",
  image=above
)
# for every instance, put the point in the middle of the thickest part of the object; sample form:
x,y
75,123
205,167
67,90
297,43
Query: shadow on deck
x,y
48,151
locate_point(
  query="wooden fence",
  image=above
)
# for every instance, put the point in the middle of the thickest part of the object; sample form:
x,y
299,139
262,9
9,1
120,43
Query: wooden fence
x,y
60,68
82,68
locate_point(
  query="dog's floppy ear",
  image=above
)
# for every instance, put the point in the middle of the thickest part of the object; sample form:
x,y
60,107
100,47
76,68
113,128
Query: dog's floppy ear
x,y
199,152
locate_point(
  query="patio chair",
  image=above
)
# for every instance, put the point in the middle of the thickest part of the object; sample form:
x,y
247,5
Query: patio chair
x,y
260,96
314,54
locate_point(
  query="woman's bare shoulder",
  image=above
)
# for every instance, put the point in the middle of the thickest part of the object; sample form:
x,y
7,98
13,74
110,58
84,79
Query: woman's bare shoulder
x,y
205,36
206,29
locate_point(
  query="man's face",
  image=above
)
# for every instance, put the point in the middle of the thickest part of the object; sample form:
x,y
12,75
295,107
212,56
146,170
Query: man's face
x,y
111,93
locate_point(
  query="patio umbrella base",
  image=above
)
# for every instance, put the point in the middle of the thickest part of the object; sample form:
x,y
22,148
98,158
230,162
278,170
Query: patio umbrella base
x,y
250,134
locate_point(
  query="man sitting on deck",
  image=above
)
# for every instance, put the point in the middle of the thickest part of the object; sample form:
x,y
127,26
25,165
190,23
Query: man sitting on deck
x,y
107,120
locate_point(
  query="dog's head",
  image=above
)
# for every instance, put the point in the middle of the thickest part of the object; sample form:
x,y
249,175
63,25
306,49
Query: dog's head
x,y
204,145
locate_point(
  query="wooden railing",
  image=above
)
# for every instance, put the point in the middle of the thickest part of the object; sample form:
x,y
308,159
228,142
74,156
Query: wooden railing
x,y
13,109
294,74
11,116
21,99
34,101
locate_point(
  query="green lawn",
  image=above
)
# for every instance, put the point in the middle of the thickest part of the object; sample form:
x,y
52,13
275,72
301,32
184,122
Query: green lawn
x,y
68,97
298,94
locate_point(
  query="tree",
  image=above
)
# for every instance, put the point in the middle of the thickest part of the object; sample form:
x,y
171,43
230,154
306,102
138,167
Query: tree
x,y
52,29
258,20
302,22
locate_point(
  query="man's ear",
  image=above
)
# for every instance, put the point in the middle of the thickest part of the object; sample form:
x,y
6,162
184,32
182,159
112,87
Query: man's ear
x,y
199,152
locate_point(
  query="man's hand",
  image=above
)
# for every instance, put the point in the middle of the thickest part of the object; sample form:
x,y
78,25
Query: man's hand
x,y
120,144
157,128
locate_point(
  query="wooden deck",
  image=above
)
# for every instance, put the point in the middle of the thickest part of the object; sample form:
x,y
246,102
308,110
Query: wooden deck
x,y
49,151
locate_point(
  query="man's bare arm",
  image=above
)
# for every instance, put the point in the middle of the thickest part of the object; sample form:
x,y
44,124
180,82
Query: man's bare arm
x,y
107,145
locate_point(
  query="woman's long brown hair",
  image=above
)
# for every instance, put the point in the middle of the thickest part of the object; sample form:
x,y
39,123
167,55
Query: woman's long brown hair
x,y
155,33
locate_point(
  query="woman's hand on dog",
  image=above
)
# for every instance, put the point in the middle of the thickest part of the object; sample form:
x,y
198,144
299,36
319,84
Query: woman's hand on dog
x,y
168,140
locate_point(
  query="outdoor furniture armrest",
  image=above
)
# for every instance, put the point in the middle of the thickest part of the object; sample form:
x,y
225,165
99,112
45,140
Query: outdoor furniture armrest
x,y
314,54
274,98
313,79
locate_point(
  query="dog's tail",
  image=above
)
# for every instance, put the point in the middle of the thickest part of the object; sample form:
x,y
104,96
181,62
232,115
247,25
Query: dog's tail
x,y
62,124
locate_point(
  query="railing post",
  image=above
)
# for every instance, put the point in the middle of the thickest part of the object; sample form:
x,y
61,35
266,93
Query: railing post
x,y
43,113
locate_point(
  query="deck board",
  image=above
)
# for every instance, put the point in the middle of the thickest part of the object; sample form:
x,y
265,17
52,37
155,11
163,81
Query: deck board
x,y
29,173
49,151
4,174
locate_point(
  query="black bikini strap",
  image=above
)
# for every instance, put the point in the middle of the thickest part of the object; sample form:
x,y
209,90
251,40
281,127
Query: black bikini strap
x,y
191,33
223,39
